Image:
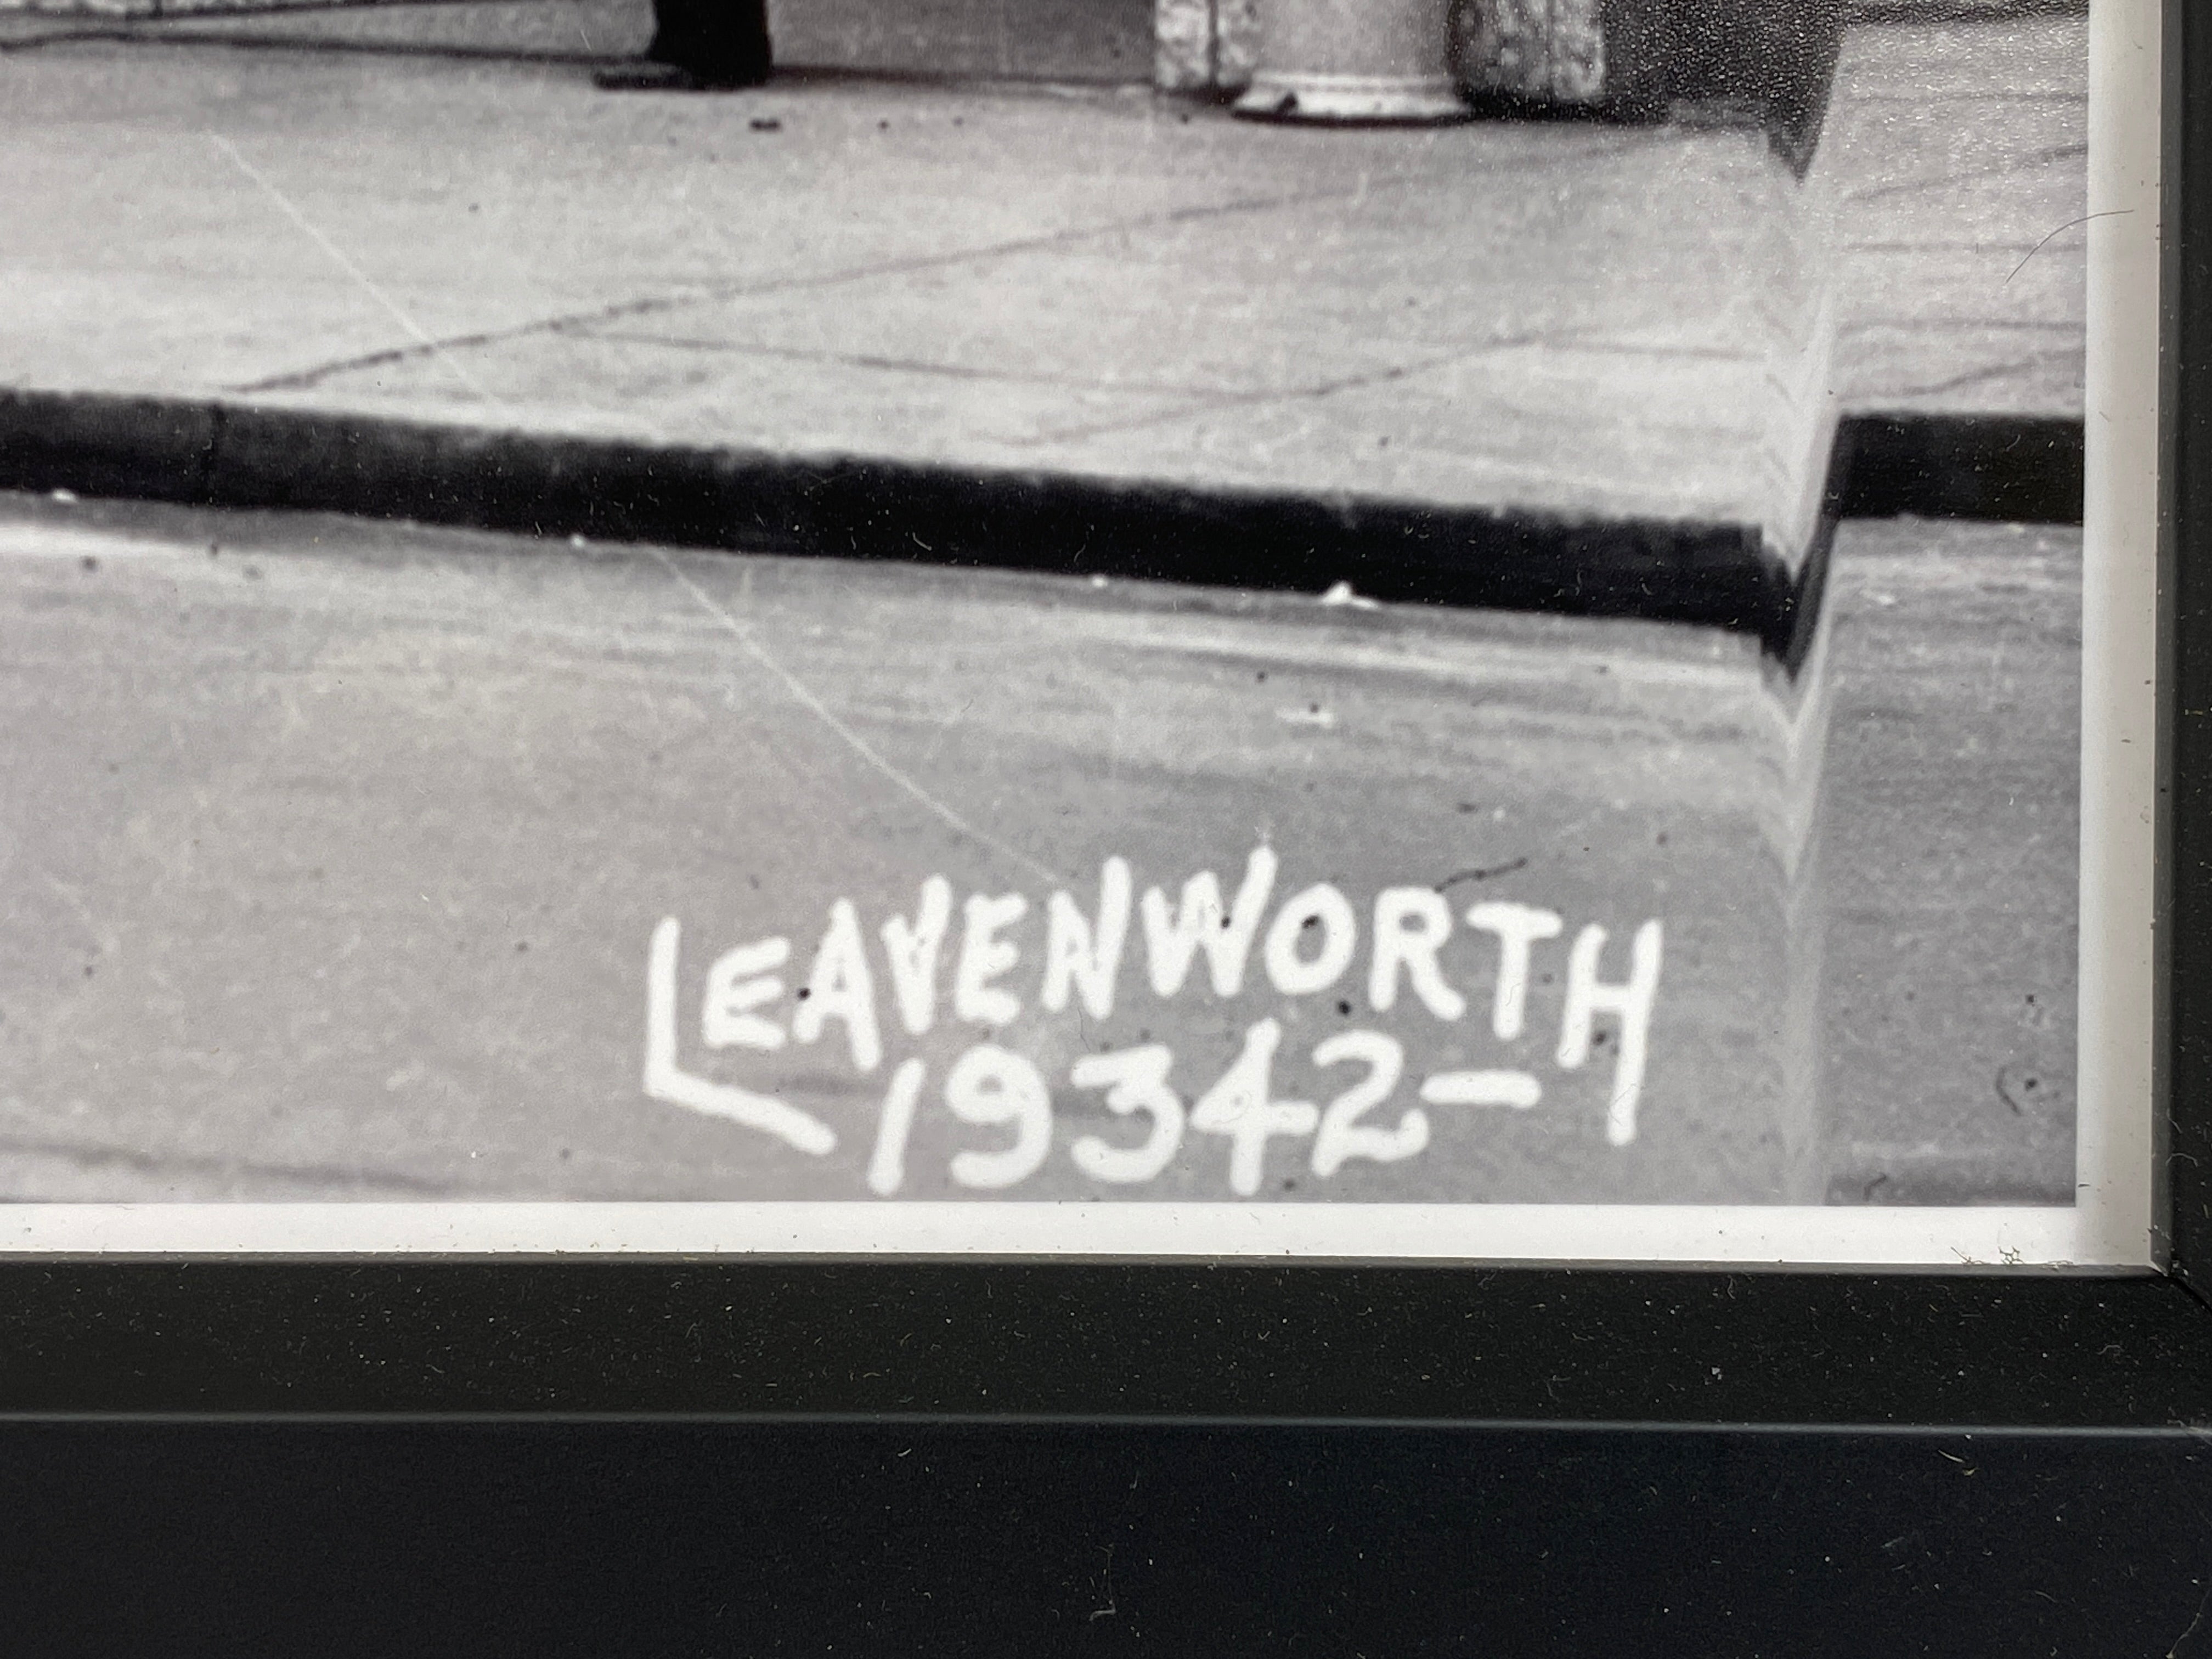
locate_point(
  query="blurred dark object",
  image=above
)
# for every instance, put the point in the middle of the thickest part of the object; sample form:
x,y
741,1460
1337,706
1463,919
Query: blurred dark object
x,y
1956,11
706,45
1769,63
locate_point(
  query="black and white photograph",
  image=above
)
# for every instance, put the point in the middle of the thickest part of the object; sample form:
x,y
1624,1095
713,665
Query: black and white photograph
x,y
1351,628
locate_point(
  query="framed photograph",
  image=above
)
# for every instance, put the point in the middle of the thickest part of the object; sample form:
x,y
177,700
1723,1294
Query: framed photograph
x,y
1092,707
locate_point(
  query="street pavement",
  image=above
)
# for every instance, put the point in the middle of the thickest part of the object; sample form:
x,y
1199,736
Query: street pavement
x,y
351,843
356,850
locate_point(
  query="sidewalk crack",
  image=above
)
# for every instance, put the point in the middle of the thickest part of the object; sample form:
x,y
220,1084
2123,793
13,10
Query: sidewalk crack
x,y
1315,390
336,257
899,365
712,292
2026,163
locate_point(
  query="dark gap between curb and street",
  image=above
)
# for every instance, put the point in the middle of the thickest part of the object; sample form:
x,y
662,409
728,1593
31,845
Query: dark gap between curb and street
x,y
210,454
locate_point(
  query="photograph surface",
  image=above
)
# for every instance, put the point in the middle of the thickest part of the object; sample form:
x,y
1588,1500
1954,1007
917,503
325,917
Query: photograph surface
x,y
1434,627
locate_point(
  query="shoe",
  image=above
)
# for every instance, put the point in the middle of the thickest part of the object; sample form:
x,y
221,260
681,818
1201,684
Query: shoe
x,y
669,77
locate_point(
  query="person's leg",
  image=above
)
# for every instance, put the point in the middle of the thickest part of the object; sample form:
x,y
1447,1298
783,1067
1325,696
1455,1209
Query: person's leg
x,y
706,44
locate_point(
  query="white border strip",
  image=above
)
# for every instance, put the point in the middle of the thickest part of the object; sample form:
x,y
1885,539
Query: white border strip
x,y
2114,1114
1683,1234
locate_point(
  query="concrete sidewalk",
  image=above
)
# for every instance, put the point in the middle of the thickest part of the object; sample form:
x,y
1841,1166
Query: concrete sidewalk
x,y
1102,284
1558,317
1963,150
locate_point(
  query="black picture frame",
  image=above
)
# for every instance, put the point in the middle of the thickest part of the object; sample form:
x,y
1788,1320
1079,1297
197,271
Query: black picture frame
x,y
834,1360
1253,1340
